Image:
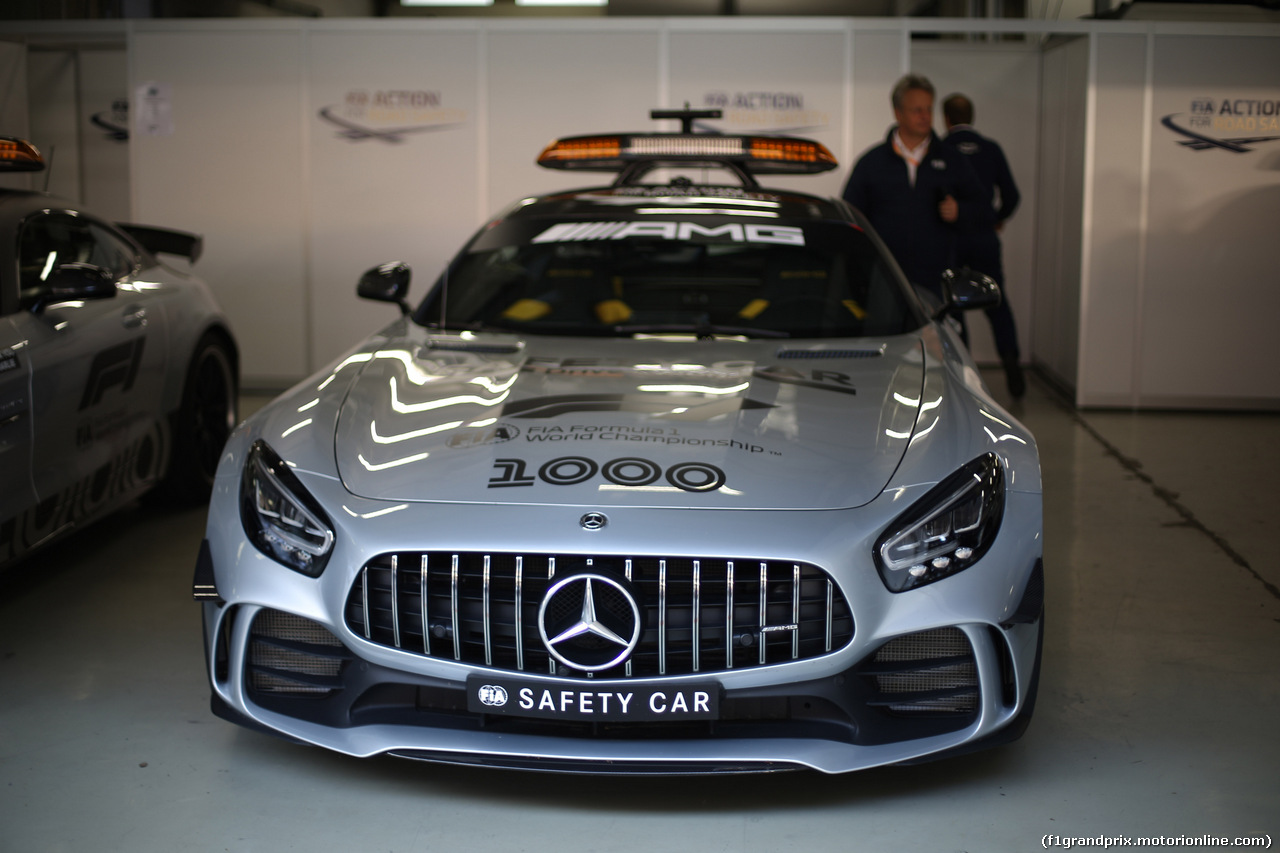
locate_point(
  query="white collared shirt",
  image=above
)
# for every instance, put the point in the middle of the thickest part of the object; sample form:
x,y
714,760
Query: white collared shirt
x,y
913,156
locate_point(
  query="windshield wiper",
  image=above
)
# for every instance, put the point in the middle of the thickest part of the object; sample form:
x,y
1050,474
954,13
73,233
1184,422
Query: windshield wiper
x,y
704,331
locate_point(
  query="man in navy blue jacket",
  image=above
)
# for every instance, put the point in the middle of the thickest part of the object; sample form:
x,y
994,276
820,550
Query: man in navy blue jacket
x,y
914,189
979,237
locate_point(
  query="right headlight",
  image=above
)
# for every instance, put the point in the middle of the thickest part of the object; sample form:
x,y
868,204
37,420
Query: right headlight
x,y
947,530
280,517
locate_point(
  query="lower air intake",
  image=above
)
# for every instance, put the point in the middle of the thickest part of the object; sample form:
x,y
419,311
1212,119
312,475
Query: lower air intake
x,y
290,655
929,673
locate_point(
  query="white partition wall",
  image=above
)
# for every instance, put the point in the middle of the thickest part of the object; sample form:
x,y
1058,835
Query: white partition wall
x,y
232,166
1059,216
1211,284
1141,265
1108,360
1003,80
788,80
325,148
103,84
14,109
556,80
395,126
1180,265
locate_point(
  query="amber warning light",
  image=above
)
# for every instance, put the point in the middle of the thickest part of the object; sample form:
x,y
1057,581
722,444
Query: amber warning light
x,y
758,154
18,155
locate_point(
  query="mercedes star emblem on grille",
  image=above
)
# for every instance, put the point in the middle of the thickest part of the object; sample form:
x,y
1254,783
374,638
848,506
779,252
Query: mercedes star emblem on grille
x,y
593,521
589,622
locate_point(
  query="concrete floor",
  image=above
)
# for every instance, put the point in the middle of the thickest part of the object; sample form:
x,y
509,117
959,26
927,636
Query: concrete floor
x,y
1157,712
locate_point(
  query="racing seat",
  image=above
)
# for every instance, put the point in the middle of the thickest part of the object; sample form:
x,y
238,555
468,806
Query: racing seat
x,y
800,292
570,293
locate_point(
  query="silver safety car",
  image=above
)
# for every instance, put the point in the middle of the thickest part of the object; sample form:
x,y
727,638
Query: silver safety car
x,y
661,477
118,373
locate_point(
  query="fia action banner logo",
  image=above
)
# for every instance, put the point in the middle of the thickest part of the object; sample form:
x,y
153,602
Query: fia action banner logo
x,y
1226,124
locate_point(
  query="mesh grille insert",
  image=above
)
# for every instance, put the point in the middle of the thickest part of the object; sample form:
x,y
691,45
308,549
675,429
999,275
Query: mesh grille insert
x,y
292,655
931,672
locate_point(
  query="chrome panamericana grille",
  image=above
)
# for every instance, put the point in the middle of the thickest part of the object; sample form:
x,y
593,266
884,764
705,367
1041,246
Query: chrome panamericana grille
x,y
699,615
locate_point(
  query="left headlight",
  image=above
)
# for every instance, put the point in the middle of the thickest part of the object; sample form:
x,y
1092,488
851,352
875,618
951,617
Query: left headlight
x,y
280,517
946,531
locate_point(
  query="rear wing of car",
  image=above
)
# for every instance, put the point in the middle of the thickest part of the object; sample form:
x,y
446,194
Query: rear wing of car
x,y
165,240
632,155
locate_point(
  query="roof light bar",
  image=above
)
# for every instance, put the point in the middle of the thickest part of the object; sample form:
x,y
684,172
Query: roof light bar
x,y
759,155
18,155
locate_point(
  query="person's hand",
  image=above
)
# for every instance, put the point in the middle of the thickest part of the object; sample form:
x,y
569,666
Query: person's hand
x,y
948,209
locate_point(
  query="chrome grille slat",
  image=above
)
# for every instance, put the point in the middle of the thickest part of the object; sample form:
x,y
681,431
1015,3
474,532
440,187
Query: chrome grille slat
x,y
831,588
795,611
519,615
423,576
728,617
488,635
699,612
551,573
364,594
627,573
662,617
395,601
764,611
453,604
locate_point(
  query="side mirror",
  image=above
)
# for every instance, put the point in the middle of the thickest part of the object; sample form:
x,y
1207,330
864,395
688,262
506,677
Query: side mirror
x,y
75,281
386,283
967,290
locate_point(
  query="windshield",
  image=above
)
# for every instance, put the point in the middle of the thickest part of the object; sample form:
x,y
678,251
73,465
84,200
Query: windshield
x,y
710,276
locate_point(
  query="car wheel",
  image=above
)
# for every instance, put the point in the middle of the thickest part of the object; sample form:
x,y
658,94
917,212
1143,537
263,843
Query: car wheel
x,y
203,422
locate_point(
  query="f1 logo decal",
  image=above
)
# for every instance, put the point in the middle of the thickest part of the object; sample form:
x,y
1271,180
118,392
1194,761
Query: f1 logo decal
x,y
116,365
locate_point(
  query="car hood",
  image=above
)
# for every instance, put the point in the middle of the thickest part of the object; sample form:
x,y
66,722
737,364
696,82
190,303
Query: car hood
x,y
608,423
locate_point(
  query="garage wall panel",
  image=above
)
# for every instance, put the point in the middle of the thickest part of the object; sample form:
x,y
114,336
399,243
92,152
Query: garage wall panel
x,y
13,103
1004,85
1060,213
1210,295
880,57
104,93
547,83
51,76
232,170
789,82
393,160
1110,333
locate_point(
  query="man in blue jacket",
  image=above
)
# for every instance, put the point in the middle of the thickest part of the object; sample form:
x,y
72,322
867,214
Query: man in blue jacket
x,y
914,189
979,237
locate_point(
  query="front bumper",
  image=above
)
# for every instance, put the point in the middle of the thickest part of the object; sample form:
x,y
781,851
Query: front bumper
x,y
829,713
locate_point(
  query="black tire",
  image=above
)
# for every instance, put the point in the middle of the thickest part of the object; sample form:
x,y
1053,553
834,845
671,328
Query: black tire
x,y
208,414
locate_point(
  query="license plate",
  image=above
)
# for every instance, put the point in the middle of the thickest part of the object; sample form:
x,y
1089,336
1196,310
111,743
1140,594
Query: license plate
x,y
587,702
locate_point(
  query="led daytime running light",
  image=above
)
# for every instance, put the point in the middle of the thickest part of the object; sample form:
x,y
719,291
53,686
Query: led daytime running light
x,y
946,531
279,517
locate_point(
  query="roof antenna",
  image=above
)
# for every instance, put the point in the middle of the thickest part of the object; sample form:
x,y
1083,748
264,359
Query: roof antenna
x,y
48,167
686,116
444,296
